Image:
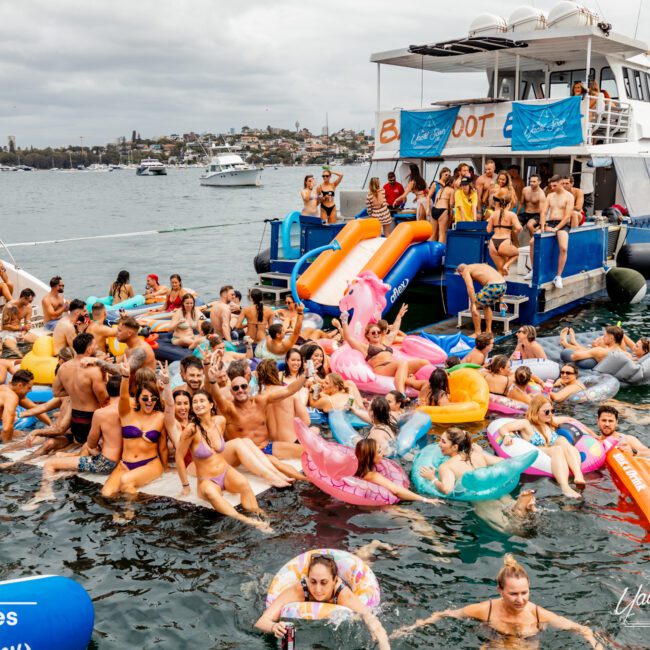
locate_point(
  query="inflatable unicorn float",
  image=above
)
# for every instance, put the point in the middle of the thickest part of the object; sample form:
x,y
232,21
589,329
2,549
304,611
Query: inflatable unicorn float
x,y
366,299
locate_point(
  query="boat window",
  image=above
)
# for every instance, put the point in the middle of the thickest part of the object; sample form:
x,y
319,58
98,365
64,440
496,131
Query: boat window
x,y
646,84
641,92
630,88
562,82
608,82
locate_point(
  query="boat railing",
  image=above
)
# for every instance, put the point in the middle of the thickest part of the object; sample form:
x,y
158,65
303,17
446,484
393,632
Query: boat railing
x,y
608,121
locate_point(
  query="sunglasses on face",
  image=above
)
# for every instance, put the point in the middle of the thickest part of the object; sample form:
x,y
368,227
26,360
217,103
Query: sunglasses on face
x,y
373,332
547,412
148,398
326,176
239,387
567,372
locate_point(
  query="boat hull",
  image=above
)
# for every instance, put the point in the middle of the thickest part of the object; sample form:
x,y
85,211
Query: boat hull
x,y
233,178
150,172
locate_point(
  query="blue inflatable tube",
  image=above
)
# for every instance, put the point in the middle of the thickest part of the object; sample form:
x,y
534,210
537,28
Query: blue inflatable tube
x,y
22,424
412,428
586,364
40,394
130,303
288,223
484,483
457,344
45,613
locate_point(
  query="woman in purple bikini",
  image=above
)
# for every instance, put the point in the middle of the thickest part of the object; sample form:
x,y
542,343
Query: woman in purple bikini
x,y
204,438
144,443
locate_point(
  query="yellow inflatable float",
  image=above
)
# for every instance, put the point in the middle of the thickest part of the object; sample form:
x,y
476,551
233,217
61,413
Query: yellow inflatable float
x,y
40,360
469,395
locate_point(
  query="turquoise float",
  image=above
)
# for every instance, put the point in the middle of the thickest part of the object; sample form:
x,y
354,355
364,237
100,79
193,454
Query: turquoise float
x,y
412,428
289,223
482,484
136,301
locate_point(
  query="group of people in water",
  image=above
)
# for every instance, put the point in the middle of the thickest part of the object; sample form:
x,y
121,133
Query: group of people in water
x,y
129,420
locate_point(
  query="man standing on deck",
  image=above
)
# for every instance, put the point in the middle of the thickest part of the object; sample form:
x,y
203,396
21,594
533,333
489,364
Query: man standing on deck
x,y
517,184
558,206
533,198
84,385
66,327
493,287
484,184
220,312
53,303
392,190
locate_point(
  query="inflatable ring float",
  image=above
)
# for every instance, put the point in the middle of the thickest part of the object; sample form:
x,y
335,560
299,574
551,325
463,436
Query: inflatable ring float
x,y
506,405
331,467
597,388
484,483
353,571
545,369
469,395
592,451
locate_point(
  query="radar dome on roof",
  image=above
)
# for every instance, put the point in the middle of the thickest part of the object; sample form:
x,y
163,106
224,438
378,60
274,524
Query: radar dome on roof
x,y
571,14
527,19
487,24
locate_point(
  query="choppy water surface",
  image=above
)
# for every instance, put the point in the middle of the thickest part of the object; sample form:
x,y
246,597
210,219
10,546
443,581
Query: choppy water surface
x,y
178,577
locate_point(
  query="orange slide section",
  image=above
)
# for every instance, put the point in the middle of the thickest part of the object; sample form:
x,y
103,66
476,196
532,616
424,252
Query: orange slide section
x,y
352,234
634,473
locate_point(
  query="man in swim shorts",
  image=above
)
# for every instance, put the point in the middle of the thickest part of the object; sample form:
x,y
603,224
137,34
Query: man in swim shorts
x,y
11,396
609,342
493,288
76,320
246,415
578,216
53,303
607,425
85,386
106,427
533,198
16,320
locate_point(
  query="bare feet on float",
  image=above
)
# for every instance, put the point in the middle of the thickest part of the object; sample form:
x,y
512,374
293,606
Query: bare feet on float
x,y
571,494
367,551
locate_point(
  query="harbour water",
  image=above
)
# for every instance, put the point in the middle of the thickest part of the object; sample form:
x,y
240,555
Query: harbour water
x,y
165,575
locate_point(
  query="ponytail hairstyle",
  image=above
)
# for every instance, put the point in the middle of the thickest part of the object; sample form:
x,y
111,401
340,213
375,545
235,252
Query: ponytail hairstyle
x,y
338,382
365,451
498,363
195,420
256,298
380,413
399,398
510,569
523,375
462,439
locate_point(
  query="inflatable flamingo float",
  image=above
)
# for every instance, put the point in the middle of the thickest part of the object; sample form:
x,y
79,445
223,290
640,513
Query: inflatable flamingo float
x,y
366,299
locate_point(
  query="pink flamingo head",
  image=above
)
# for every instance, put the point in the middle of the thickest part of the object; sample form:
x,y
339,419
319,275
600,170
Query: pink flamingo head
x,y
366,296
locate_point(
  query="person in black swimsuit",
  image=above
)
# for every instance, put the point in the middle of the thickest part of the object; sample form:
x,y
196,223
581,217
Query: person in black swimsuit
x,y
504,224
326,191
511,615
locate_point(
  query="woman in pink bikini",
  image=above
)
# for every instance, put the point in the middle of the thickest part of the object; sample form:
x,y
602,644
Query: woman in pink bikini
x,y
204,438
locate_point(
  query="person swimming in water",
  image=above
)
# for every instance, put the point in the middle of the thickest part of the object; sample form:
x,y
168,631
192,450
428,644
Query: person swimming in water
x,y
512,616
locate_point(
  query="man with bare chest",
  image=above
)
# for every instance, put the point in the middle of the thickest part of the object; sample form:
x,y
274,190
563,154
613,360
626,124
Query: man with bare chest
x,y
558,207
484,184
84,385
220,312
53,303
533,198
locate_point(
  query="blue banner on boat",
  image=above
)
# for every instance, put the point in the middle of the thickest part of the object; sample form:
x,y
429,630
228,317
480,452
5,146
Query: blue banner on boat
x,y
545,126
425,133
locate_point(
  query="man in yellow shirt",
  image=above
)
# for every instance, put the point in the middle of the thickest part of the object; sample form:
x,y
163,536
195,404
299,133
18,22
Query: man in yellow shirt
x,y
465,201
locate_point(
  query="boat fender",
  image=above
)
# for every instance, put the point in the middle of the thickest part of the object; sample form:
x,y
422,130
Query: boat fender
x,y
288,224
634,257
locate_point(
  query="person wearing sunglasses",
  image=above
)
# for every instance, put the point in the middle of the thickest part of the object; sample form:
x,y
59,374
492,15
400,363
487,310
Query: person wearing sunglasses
x,y
144,440
289,317
326,191
310,197
528,347
539,427
567,384
380,357
321,585
247,416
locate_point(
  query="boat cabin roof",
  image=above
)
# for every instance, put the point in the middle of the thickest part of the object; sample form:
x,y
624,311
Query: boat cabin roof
x,y
545,47
226,159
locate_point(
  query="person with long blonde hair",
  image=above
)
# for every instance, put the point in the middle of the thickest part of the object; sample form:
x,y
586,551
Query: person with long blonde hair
x,y
512,615
377,206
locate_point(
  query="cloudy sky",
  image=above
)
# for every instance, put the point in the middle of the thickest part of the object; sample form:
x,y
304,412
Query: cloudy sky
x,y
101,68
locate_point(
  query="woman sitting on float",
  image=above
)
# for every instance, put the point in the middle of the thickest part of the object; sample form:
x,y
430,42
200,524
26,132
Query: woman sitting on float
x,y
567,384
185,323
384,427
369,454
322,585
380,357
540,429
309,330
501,382
334,394
527,345
435,391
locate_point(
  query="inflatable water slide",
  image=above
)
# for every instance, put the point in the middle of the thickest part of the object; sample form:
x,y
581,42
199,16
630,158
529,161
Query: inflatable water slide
x,y
395,259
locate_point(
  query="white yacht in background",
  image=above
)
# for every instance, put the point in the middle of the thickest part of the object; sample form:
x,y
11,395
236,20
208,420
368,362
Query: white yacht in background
x,y
151,167
228,169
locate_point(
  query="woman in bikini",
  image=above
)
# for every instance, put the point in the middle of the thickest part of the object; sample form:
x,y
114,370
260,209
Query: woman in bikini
x,y
435,391
121,290
512,616
384,427
503,223
540,429
503,189
377,206
310,198
322,585
326,191
334,394
441,208
289,316
204,438
567,384
418,186
258,317
185,323
380,357
500,379
144,443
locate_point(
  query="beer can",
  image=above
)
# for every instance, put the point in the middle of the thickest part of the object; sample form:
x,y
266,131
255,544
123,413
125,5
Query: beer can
x,y
289,638
316,390
310,368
